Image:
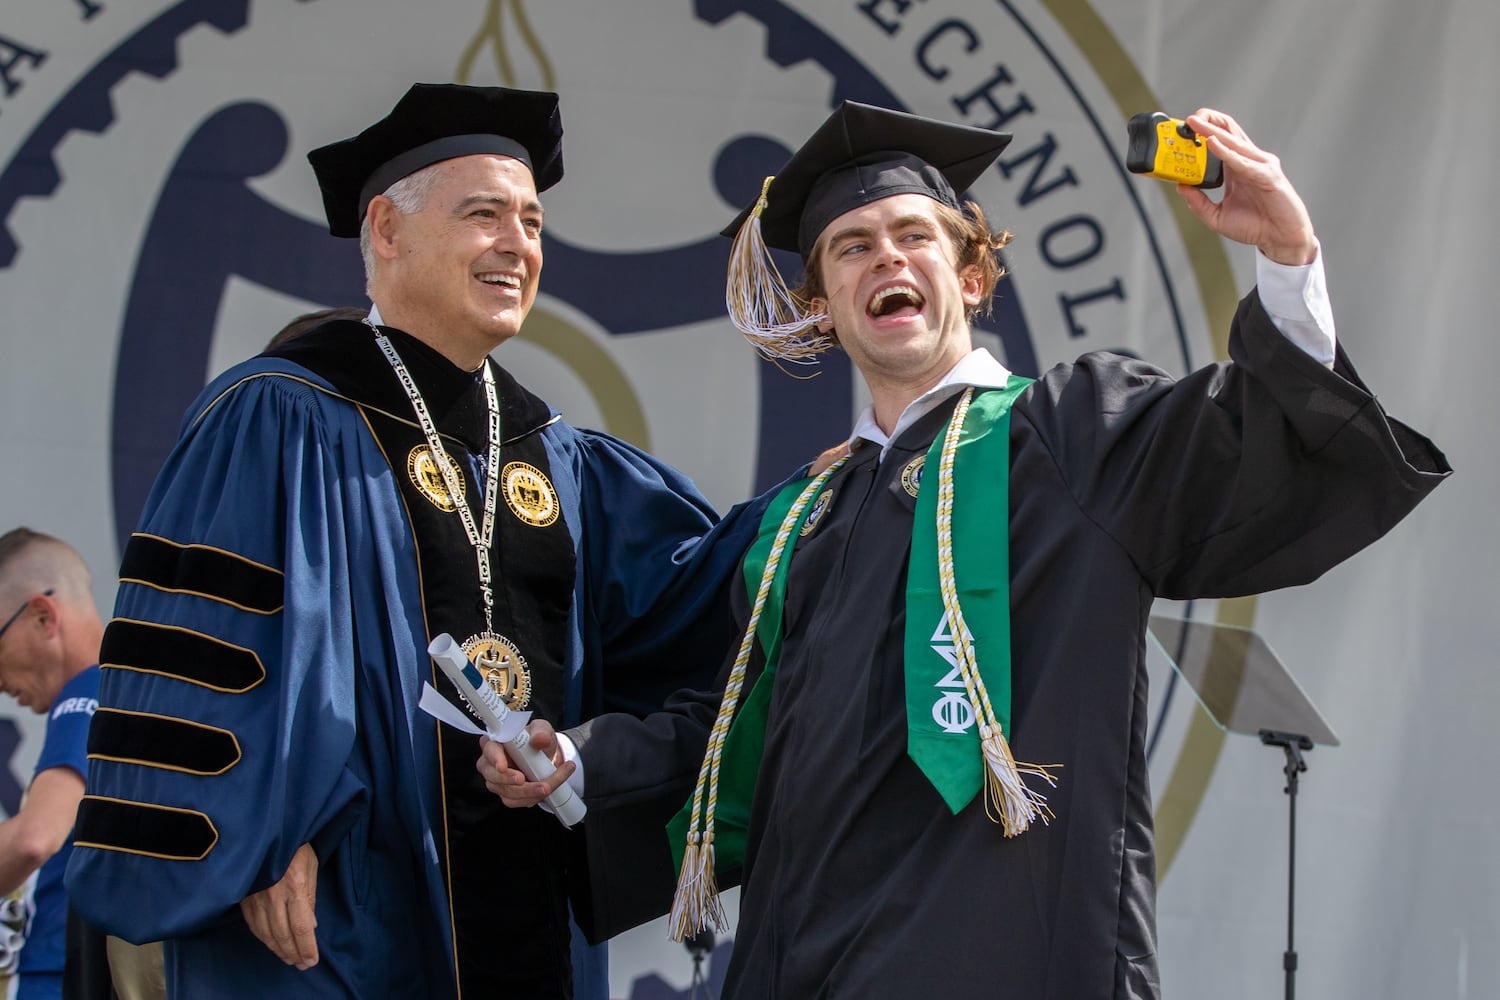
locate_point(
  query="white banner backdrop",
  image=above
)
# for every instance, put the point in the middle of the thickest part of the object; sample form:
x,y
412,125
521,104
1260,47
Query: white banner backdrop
x,y
158,222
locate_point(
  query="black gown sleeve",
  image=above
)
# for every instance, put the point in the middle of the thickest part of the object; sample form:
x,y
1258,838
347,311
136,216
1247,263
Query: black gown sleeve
x,y
1245,476
638,772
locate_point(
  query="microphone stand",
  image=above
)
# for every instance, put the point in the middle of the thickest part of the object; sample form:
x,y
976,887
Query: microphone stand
x,y
700,946
1293,744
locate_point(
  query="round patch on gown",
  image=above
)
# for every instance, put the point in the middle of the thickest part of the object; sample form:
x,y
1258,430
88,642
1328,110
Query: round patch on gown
x,y
529,494
911,476
502,666
422,467
820,507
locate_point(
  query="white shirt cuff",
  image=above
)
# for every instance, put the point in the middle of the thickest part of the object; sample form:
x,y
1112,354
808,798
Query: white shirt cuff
x,y
570,753
575,780
1296,299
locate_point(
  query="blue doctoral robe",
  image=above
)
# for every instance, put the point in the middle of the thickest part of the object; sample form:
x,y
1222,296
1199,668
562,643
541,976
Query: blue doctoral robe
x,y
261,676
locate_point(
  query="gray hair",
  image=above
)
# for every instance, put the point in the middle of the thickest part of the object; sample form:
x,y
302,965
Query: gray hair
x,y
409,195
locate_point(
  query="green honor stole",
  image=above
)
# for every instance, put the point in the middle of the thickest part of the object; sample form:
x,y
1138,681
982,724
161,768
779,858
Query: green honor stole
x,y
957,654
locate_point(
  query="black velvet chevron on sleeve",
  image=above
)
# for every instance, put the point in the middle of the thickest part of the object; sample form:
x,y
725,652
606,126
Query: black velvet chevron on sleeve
x,y
139,828
161,741
207,572
187,656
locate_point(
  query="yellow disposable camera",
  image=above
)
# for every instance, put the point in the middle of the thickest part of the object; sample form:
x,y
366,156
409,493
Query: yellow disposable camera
x,y
1168,148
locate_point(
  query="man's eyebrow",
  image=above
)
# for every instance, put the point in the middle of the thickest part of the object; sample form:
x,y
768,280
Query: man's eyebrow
x,y
532,206
915,220
852,232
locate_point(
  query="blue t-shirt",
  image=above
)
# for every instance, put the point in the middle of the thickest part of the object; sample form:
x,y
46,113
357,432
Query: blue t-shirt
x,y
66,745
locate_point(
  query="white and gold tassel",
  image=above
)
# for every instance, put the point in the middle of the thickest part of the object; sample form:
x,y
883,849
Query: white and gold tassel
x,y
1008,800
696,902
759,303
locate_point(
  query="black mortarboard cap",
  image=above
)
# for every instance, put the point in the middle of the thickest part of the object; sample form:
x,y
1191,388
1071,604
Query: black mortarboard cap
x,y
862,154
859,155
431,123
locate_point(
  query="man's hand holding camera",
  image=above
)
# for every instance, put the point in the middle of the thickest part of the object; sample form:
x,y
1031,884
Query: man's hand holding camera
x,y
1259,206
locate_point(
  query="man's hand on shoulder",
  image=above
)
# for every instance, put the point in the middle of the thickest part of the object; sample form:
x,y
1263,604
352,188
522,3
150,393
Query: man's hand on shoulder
x,y
827,458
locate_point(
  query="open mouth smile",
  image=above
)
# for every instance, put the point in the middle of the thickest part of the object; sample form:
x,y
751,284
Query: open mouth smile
x,y
895,299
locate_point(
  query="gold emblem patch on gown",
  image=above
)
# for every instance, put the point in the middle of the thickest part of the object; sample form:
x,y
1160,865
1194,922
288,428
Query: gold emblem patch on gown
x,y
911,476
819,508
428,478
502,666
529,494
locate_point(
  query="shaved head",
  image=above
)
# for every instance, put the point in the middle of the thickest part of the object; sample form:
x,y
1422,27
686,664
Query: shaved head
x,y
56,632
31,562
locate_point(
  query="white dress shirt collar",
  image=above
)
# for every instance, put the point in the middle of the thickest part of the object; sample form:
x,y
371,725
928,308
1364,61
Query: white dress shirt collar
x,y
978,369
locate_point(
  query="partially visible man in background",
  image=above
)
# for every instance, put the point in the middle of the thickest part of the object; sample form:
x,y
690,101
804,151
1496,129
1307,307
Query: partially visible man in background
x,y
49,651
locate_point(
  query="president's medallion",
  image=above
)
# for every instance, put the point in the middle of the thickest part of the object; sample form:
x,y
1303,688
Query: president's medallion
x,y
502,666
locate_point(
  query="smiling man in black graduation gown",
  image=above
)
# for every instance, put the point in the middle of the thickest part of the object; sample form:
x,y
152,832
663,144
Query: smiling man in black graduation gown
x,y
935,782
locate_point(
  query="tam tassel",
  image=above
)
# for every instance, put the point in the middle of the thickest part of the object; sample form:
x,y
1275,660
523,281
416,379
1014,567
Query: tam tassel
x,y
760,304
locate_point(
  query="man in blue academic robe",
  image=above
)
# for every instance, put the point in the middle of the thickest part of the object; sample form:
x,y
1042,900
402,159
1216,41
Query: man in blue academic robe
x,y
329,508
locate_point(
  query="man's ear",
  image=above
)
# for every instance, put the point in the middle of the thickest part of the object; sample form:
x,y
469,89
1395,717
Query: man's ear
x,y
47,614
819,307
971,284
385,223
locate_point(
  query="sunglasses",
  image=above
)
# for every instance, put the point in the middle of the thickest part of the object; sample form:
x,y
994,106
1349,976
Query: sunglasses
x,y
19,611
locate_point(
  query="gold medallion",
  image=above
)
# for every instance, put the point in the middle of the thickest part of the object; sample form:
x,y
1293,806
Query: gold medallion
x,y
501,664
428,478
529,495
911,476
815,514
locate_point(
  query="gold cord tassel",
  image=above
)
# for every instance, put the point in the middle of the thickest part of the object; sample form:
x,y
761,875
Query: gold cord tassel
x,y
684,915
696,901
759,303
1007,798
